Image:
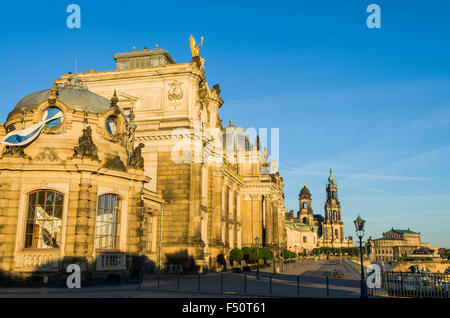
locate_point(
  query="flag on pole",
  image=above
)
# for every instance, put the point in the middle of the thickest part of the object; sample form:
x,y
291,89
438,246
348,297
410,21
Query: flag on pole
x,y
27,135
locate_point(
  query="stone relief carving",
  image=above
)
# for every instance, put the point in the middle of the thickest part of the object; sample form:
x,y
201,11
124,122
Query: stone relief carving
x,y
75,82
136,160
86,146
14,151
115,164
175,91
47,155
216,90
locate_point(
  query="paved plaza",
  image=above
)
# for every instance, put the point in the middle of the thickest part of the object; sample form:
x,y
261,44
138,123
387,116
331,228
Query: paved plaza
x,y
312,283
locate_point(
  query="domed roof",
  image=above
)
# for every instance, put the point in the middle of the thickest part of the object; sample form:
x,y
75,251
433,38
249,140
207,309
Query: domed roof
x,y
304,193
73,94
235,138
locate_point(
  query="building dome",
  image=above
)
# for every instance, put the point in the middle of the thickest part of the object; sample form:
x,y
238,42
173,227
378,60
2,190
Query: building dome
x,y
304,193
235,139
73,94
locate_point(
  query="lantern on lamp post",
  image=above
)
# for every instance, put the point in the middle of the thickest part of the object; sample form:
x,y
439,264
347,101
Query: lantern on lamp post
x,y
359,227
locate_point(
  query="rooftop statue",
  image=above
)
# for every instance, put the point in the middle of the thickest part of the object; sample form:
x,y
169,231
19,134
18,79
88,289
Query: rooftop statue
x,y
196,51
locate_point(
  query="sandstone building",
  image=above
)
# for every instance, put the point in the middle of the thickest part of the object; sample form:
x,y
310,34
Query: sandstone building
x,y
314,230
396,244
139,165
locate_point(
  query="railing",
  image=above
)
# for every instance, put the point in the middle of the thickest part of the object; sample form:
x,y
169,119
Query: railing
x,y
37,261
110,261
420,285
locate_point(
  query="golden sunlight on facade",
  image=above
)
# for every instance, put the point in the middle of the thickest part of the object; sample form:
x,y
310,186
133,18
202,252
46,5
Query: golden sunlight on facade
x,y
134,164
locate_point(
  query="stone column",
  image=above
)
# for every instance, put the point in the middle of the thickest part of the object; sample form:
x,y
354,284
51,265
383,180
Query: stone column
x,y
9,202
85,223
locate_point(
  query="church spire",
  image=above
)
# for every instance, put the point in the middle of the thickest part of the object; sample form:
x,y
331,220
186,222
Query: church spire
x,y
331,178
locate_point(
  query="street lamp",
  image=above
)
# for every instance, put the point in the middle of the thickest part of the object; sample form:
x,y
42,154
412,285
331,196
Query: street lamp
x,y
274,260
359,226
257,257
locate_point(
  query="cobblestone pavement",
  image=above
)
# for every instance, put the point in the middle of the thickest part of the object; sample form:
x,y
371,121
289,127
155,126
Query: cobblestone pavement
x,y
312,283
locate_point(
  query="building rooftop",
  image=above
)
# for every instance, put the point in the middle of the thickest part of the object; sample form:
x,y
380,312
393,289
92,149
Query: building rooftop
x,y
73,94
408,231
143,59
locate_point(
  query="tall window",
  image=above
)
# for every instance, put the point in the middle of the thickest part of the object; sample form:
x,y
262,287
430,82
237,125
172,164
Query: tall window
x,y
107,227
305,205
44,219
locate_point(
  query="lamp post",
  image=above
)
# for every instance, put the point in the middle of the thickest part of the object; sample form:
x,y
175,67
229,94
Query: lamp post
x,y
274,259
257,257
359,226
283,247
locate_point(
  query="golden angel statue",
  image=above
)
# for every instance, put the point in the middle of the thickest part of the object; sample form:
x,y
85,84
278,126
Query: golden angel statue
x,y
196,50
274,166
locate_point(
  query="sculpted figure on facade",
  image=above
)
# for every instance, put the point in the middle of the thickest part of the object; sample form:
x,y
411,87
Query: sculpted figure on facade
x,y
136,160
86,146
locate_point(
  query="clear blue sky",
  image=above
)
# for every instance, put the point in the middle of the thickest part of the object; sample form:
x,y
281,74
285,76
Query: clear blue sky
x,y
374,104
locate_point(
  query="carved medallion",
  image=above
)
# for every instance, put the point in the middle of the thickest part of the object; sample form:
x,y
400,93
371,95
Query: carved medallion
x,y
175,91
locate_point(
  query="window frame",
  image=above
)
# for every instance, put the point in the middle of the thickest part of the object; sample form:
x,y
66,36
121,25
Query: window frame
x,y
27,219
117,223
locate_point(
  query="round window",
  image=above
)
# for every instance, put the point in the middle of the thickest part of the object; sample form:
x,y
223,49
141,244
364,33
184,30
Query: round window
x,y
111,125
54,116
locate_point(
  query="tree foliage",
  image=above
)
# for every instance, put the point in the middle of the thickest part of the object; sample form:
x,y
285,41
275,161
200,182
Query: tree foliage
x,y
236,255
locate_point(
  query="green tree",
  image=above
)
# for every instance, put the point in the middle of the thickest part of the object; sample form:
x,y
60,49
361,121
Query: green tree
x,y
236,255
249,254
265,253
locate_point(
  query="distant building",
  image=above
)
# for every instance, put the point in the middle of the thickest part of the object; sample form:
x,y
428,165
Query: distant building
x,y
332,227
396,244
300,237
308,230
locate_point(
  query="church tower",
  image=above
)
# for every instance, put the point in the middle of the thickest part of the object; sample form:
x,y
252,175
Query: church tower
x,y
332,227
305,213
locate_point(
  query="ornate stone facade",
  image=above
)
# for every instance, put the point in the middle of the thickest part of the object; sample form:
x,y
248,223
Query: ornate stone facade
x,y
215,198
63,200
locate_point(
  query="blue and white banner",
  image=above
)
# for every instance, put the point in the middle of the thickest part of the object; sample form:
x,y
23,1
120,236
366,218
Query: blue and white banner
x,y
26,136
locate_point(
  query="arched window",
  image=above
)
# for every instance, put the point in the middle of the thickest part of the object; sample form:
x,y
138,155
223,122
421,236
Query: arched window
x,y
111,124
336,233
305,205
334,215
51,112
44,219
304,239
107,224
333,195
